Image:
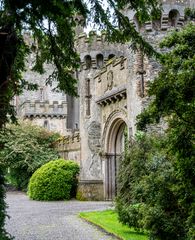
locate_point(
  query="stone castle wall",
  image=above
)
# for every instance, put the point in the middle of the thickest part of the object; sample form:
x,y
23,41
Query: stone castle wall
x,y
44,107
112,86
113,91
69,147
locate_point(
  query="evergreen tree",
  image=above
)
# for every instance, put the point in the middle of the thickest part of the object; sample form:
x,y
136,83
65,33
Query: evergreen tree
x,y
156,178
52,26
174,100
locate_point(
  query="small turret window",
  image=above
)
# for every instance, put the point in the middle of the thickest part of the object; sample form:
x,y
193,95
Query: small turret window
x,y
46,124
88,62
88,97
100,60
173,18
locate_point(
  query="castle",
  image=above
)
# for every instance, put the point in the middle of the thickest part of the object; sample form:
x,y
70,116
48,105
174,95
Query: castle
x,y
112,87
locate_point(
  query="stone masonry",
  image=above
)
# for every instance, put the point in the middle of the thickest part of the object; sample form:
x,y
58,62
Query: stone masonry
x,y
112,87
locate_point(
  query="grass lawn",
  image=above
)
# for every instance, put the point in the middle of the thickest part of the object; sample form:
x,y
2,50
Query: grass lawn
x,y
108,220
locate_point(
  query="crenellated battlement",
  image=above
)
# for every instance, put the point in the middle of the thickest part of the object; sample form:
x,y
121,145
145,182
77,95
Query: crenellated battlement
x,y
70,139
86,42
68,144
31,109
183,2
122,61
95,51
173,15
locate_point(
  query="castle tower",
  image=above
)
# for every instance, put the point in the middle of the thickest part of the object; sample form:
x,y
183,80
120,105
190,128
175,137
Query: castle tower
x,y
113,91
95,54
43,107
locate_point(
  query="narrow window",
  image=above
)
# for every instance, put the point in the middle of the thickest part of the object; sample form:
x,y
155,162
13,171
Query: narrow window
x,y
41,94
88,97
100,60
173,18
141,72
88,62
46,124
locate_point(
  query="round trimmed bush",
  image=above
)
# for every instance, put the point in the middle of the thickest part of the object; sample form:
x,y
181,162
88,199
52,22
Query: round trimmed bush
x,y
54,180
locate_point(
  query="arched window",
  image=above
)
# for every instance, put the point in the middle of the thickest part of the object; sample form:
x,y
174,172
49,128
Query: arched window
x,y
111,56
46,124
173,18
100,60
136,22
88,61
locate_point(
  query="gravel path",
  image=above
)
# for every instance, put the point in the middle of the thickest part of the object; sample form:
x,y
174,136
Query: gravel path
x,y
34,220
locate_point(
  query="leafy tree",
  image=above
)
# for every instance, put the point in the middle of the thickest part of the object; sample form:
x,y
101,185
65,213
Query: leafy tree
x,y
52,26
173,92
3,234
147,199
161,182
26,148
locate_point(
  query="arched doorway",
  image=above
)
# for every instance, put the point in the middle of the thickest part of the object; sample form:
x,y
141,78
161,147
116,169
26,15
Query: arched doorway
x,y
114,146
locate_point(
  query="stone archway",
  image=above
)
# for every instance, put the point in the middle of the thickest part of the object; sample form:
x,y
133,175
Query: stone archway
x,y
113,147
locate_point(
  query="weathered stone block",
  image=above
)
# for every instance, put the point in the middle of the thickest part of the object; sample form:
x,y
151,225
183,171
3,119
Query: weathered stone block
x,y
90,190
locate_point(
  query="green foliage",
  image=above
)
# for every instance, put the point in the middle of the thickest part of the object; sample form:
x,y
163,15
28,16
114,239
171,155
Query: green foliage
x,y
148,196
173,99
55,42
108,220
173,89
54,180
161,180
190,13
25,148
52,25
3,234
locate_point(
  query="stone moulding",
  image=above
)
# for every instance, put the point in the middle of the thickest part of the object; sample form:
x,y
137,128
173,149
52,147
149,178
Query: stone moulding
x,y
116,114
43,109
112,97
112,62
66,142
90,181
42,115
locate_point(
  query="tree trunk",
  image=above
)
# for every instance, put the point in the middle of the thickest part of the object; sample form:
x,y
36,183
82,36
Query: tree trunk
x,y
8,47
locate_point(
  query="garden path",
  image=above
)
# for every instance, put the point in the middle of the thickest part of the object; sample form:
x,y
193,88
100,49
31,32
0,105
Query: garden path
x,y
34,220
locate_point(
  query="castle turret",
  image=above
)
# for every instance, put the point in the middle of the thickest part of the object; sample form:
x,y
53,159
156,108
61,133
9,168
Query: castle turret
x,y
113,83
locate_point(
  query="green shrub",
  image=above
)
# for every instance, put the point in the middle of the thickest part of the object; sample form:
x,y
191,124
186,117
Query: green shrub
x,y
55,180
149,191
26,148
3,234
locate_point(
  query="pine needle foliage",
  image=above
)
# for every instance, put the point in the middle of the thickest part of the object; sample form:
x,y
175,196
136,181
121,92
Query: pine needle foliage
x,y
51,25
